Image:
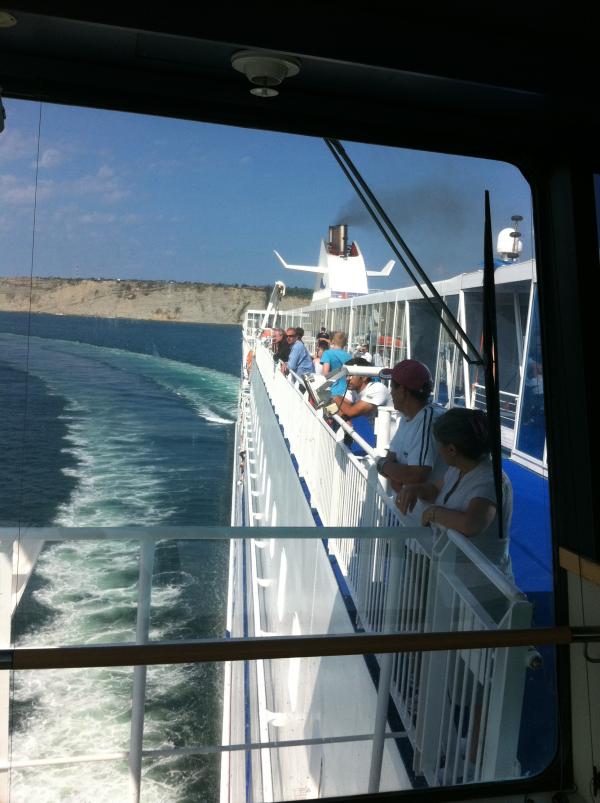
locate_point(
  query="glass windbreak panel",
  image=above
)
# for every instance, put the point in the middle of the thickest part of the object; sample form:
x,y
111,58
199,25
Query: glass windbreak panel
x,y
446,363
288,729
136,404
399,343
411,581
385,339
424,333
510,351
512,304
532,425
474,328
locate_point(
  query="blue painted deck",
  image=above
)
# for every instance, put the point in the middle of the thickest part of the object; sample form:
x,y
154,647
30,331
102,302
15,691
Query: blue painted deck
x,y
531,540
531,553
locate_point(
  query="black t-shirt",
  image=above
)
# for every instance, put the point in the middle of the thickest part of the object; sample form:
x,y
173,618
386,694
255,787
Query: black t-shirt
x,y
282,352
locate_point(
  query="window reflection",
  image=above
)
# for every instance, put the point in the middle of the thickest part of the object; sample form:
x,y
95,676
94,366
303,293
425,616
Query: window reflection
x,y
532,430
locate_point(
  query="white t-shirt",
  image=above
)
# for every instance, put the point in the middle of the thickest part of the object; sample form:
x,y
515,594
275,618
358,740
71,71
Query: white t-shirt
x,y
479,484
414,445
376,393
373,393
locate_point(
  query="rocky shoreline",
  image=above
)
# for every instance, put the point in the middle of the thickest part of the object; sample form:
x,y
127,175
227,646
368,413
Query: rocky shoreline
x,y
190,302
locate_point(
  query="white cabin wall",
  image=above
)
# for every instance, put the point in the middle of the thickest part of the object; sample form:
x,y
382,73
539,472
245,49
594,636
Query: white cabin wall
x,y
274,468
299,595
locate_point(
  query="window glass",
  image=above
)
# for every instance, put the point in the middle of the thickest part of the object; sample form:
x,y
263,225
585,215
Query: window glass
x,y
532,430
424,332
446,358
145,397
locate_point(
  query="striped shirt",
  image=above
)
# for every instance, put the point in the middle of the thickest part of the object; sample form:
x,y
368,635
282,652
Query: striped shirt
x,y
414,444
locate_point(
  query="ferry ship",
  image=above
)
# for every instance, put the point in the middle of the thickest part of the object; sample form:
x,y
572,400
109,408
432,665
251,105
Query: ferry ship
x,y
295,471
455,80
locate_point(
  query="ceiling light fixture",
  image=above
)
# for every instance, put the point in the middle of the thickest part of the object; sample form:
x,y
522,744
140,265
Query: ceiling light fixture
x,y
7,20
266,70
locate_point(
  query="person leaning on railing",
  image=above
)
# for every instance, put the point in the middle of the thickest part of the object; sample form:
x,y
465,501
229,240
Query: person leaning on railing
x,y
280,345
299,360
413,456
465,499
366,394
333,358
363,397
320,349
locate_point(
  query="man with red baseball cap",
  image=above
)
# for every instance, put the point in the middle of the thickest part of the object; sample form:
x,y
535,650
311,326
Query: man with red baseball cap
x,y
413,456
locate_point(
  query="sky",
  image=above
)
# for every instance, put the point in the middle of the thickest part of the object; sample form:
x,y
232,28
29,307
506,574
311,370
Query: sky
x,y
132,196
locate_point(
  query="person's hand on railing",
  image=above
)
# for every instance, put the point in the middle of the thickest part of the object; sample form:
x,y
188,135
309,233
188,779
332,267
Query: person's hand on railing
x,y
407,499
428,517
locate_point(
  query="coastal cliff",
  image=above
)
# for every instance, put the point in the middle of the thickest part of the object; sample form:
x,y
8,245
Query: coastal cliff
x,y
148,300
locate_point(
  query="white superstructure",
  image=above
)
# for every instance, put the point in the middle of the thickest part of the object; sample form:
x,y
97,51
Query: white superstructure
x,y
341,272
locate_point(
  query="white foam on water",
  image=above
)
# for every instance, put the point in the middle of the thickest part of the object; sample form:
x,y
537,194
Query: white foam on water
x,y
90,587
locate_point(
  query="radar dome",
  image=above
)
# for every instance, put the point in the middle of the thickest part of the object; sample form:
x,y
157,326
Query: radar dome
x,y
509,245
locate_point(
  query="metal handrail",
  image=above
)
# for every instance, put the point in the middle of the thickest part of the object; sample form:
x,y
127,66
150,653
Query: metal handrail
x,y
347,427
273,647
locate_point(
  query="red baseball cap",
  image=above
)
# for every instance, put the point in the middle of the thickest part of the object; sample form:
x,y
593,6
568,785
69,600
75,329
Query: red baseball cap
x,y
413,375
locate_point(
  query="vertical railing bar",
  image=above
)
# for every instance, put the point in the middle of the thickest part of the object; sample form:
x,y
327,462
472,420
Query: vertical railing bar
x,y
408,592
415,572
379,548
472,716
383,691
384,593
452,706
142,631
489,660
445,704
461,717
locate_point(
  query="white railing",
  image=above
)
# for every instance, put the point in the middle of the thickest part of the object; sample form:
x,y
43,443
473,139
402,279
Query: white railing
x,y
508,404
14,540
338,482
449,587
468,725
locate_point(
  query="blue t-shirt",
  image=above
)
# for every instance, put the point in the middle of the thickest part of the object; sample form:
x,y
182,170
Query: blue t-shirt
x,y
335,358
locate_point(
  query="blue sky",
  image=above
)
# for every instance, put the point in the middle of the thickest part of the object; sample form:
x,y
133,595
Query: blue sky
x,y
131,196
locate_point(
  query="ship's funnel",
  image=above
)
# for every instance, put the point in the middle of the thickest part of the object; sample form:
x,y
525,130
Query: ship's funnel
x,y
338,239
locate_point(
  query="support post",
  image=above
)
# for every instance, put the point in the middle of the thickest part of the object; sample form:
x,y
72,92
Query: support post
x,y
385,663
383,433
147,550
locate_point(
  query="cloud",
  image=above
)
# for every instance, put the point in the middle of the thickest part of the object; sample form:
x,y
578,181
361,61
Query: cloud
x,y
51,157
6,223
105,183
246,160
98,218
15,191
165,166
15,145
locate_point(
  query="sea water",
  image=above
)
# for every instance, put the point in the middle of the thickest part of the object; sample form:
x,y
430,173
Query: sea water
x,y
112,423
